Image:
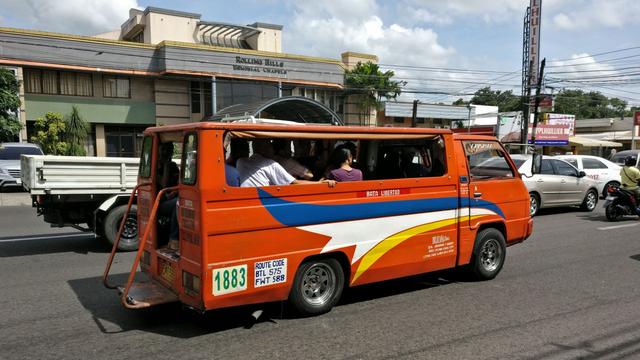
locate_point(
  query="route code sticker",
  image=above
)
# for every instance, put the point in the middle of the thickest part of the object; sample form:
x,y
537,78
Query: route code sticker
x,y
270,272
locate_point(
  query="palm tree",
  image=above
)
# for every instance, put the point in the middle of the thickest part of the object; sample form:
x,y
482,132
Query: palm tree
x,y
371,85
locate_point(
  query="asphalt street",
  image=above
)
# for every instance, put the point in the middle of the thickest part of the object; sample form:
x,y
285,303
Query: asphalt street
x,y
570,291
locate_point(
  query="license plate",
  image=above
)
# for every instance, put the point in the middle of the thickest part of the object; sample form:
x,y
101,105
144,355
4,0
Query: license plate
x,y
166,271
610,198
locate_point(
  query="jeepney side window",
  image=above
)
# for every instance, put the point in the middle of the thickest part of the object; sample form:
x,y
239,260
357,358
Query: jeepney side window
x,y
487,160
189,160
145,157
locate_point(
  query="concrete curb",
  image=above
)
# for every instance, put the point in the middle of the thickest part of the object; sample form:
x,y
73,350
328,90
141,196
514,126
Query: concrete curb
x,y
15,199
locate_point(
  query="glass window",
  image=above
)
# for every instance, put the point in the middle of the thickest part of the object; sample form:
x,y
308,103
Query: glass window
x,y
564,169
195,97
573,162
232,92
14,152
546,168
487,160
189,160
592,164
33,81
49,82
118,87
208,105
145,157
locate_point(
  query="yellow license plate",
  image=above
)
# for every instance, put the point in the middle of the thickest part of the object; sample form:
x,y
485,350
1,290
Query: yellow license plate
x,y
167,272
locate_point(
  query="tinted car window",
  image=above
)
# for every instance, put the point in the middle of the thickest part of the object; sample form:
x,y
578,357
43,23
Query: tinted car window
x,y
573,162
546,168
564,169
14,152
518,162
593,164
487,160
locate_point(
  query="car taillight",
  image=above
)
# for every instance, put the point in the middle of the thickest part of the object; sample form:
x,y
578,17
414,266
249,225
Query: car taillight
x,y
611,189
190,283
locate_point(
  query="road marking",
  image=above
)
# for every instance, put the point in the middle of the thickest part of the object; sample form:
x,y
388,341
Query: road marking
x,y
617,226
47,237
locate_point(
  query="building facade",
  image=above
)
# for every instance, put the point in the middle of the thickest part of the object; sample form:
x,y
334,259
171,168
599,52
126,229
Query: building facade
x,y
161,67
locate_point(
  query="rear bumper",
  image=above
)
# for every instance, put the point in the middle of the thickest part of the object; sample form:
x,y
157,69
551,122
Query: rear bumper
x,y
529,229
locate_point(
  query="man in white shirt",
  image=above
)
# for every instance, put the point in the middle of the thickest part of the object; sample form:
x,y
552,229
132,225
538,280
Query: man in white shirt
x,y
260,170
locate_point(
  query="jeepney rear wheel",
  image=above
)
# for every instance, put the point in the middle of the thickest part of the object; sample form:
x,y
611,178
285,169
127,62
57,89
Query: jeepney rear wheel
x,y
488,256
317,286
129,238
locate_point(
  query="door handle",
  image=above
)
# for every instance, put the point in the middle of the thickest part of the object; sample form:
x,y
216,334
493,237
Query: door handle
x,y
540,181
563,181
477,194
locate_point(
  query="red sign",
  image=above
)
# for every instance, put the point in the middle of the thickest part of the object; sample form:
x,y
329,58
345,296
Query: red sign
x,y
636,118
550,135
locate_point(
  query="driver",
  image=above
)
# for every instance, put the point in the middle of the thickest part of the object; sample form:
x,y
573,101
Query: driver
x,y
630,176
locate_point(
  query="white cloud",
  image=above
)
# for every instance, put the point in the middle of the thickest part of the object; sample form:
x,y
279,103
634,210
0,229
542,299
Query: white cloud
x,y
327,29
444,11
84,17
593,13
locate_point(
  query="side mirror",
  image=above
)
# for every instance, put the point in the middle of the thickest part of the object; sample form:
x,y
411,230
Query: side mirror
x,y
536,164
582,174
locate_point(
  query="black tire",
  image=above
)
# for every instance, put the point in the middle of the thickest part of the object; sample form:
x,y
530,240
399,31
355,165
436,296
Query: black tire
x,y
534,204
607,186
129,238
489,254
590,201
317,286
612,212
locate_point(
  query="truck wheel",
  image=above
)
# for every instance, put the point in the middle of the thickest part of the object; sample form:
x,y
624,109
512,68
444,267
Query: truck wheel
x,y
129,238
317,286
488,256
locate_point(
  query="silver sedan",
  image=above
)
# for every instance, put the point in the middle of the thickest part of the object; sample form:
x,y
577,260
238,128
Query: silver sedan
x,y
558,184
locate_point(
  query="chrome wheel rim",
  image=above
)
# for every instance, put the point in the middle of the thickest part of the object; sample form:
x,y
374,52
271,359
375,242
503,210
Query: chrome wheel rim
x,y
491,255
318,284
591,200
533,204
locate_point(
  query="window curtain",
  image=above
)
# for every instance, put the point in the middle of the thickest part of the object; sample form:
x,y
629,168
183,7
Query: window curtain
x,y
32,83
109,86
67,83
84,85
49,82
123,88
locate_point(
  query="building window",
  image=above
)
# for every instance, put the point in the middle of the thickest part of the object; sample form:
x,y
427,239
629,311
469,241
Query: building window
x,y
58,82
399,120
123,141
206,92
231,92
139,38
116,87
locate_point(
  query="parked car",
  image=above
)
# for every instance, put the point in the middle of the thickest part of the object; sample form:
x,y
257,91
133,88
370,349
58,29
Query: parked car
x,y
604,172
10,162
618,158
558,184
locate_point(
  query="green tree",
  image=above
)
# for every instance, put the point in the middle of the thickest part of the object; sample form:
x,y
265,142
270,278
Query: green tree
x,y
504,100
461,102
9,104
76,129
588,105
371,85
49,134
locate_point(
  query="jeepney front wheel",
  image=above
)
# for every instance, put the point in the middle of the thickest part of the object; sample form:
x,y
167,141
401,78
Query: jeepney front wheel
x,y
317,286
488,255
129,238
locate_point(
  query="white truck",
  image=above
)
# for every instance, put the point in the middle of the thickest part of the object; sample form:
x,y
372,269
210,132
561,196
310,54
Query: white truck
x,y
86,193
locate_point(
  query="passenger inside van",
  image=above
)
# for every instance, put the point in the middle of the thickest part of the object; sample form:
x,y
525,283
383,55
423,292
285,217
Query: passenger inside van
x,y
260,169
284,156
341,161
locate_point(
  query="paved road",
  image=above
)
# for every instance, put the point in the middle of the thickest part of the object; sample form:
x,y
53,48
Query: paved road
x,y
571,291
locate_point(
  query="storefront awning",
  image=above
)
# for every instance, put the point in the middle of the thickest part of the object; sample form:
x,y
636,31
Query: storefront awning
x,y
587,142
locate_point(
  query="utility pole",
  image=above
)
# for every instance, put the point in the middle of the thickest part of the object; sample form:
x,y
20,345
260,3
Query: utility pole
x,y
469,119
537,103
415,113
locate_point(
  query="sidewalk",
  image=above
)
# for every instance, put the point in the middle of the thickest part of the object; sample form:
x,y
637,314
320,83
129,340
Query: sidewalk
x,y
15,199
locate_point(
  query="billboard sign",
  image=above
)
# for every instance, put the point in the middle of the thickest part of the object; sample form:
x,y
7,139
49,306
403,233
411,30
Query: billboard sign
x,y
534,40
566,120
545,104
550,135
510,127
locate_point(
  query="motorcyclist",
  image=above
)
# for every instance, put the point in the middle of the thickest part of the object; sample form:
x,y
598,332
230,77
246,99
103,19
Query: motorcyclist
x,y
630,176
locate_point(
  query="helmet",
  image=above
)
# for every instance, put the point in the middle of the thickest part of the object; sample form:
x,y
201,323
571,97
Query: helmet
x,y
630,161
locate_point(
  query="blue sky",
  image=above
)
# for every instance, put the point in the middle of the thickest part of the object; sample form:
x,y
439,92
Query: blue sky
x,y
468,34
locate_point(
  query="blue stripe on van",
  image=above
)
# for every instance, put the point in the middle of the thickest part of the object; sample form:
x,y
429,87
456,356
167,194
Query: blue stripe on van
x,y
297,214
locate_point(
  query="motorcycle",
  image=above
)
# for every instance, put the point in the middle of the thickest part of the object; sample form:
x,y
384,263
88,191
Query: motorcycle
x,y
619,203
